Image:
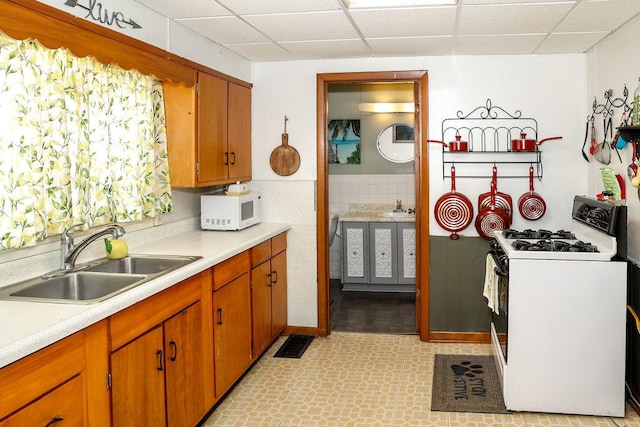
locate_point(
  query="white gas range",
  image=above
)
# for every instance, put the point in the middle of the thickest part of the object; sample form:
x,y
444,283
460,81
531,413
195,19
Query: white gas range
x,y
563,314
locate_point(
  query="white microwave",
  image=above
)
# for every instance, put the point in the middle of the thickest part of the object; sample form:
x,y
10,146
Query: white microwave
x,y
229,212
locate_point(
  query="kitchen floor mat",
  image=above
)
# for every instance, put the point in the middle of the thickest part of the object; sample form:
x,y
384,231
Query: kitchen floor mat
x,y
294,346
466,383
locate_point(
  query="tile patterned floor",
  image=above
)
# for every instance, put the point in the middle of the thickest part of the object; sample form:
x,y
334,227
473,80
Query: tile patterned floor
x,y
365,380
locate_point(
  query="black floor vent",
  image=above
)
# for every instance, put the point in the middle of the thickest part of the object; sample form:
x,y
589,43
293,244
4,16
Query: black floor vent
x,y
294,347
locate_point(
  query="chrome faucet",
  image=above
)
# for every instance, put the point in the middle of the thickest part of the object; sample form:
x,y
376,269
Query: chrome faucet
x,y
69,251
398,206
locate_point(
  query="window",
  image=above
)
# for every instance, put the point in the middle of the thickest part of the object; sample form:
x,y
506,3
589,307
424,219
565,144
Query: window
x,y
80,141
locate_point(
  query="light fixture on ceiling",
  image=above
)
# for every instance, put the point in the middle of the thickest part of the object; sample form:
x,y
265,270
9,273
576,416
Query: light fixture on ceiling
x,y
386,107
368,4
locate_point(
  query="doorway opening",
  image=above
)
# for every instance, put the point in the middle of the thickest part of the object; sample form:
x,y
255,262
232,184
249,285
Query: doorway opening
x,y
418,81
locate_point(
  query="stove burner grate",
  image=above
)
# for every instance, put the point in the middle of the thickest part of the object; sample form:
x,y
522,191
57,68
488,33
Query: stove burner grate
x,y
549,245
538,234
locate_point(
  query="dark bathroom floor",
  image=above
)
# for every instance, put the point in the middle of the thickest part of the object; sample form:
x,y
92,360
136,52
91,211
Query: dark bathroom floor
x,y
376,312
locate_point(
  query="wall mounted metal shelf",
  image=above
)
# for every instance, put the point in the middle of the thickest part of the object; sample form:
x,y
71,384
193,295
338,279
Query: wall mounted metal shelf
x,y
489,130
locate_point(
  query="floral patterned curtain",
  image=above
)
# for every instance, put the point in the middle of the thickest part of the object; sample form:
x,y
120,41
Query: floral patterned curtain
x,y
80,141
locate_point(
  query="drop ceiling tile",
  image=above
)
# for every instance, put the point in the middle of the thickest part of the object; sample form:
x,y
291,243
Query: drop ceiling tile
x,y
600,15
185,9
494,45
570,42
224,30
304,26
468,2
261,52
511,19
334,49
412,46
253,7
427,21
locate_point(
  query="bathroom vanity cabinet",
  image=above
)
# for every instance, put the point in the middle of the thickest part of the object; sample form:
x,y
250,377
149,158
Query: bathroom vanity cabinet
x,y
378,256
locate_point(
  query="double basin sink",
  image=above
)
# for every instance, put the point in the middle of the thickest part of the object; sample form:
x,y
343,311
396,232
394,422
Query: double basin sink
x,y
97,281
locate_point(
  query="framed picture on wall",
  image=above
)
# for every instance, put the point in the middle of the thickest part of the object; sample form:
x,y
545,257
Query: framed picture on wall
x,y
344,141
402,134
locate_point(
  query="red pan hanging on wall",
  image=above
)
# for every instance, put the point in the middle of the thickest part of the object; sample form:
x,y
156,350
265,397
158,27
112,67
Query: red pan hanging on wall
x,y
491,219
453,210
503,200
531,205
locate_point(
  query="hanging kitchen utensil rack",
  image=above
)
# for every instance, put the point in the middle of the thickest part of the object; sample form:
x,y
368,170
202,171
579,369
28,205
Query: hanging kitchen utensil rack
x,y
608,109
489,131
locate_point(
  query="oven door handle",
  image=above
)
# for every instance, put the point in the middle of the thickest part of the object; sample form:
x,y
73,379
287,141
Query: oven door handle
x,y
498,270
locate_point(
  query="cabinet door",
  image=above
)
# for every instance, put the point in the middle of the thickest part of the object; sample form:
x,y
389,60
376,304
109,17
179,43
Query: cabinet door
x,y
212,129
137,393
239,130
232,332
406,253
384,254
355,259
184,381
278,293
261,306
63,407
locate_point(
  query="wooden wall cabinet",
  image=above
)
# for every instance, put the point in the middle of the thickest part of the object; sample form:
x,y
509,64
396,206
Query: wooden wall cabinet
x,y
57,385
157,359
268,291
208,132
231,320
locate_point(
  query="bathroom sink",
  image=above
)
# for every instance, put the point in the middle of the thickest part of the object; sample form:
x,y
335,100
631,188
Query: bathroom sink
x,y
142,264
396,214
78,287
96,282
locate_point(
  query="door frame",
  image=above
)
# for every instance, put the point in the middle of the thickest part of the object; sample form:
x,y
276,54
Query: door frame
x,y
420,80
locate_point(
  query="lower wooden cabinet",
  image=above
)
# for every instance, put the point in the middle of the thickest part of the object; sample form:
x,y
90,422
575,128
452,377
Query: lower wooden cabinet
x,y
232,332
160,369
157,376
56,386
231,321
62,407
268,291
161,362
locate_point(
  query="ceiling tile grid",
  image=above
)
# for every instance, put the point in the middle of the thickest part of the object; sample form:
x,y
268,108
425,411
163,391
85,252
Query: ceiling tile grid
x,y
281,30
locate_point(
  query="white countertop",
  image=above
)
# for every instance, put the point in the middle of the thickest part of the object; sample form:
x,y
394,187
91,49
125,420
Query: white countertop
x,y
26,327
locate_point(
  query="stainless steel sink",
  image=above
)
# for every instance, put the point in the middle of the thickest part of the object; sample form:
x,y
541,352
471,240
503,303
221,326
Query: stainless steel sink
x,y
73,287
142,264
99,281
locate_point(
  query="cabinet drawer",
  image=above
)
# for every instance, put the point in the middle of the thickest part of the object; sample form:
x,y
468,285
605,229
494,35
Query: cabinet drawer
x,y
278,243
62,407
35,375
260,253
228,270
144,315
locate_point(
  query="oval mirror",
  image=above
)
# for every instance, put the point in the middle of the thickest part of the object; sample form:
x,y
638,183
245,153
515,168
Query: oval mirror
x,y
396,143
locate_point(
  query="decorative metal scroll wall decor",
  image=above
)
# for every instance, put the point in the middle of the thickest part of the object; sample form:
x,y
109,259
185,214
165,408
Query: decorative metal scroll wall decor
x,y
489,130
97,12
